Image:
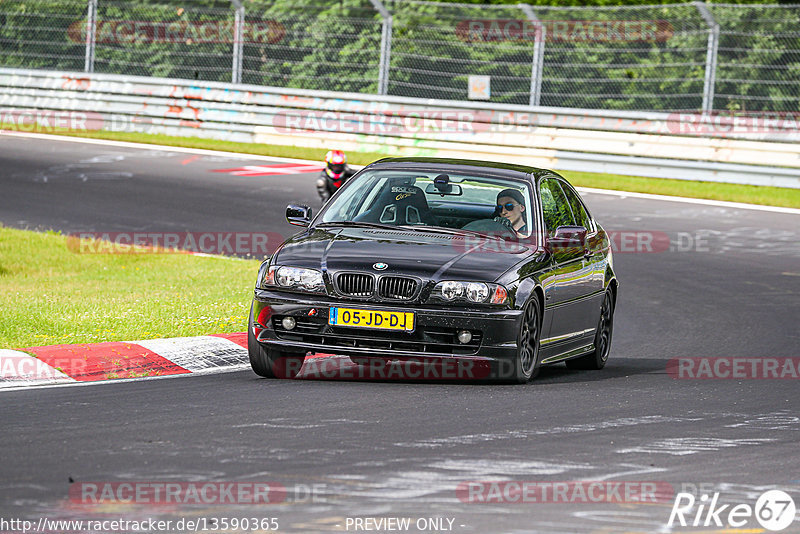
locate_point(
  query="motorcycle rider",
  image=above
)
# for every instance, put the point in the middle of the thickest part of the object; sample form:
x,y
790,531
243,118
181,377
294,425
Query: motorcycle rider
x,y
335,173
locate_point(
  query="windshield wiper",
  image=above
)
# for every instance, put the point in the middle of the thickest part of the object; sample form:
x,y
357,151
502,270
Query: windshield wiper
x,y
428,229
358,224
398,228
449,231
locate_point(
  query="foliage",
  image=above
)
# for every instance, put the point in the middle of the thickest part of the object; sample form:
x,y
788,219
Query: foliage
x,y
335,45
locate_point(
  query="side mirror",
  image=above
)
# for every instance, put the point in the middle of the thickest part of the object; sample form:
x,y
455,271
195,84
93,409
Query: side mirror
x,y
567,239
298,215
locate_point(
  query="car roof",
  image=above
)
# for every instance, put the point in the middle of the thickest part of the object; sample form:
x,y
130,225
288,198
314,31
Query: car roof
x,y
510,170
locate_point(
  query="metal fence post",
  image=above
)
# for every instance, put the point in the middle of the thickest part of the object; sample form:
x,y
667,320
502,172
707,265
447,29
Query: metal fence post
x,y
537,65
238,41
711,57
386,46
91,35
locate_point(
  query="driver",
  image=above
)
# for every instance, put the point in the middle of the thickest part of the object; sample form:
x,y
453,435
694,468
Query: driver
x,y
511,205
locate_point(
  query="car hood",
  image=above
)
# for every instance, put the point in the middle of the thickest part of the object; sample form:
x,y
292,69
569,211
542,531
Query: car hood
x,y
428,255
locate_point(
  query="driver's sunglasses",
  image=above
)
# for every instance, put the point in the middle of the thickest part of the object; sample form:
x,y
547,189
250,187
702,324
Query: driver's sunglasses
x,y
509,206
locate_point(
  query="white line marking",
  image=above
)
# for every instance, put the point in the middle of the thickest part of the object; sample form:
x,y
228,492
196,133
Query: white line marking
x,y
262,170
685,446
703,201
147,146
241,155
470,439
636,470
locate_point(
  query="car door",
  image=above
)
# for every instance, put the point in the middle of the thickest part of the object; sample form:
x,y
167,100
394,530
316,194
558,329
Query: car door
x,y
594,258
571,274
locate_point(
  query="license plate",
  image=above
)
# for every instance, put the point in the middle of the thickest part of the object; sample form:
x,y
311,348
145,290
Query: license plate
x,y
378,319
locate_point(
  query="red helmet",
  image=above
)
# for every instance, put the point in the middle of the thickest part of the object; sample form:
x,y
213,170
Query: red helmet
x,y
335,162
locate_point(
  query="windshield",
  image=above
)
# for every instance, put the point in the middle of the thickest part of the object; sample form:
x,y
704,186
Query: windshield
x,y
434,199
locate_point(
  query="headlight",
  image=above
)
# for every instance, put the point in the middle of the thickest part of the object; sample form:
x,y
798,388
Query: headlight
x,y
451,290
478,292
294,278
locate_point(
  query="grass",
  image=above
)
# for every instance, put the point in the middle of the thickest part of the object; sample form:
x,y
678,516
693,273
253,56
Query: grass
x,y
770,196
750,194
50,295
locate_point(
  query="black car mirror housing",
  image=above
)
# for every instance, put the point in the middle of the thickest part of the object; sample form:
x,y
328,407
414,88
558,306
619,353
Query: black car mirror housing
x,y
298,215
567,237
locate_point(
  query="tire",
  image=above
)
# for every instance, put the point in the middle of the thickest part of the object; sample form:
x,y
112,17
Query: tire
x,y
269,362
526,363
597,359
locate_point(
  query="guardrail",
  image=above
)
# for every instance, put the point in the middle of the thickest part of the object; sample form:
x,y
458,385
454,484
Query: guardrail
x,y
757,151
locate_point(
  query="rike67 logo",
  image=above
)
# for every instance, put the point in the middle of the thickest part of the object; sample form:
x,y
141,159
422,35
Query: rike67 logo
x,y
774,510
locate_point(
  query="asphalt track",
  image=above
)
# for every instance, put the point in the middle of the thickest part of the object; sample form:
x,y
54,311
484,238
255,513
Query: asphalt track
x,y
730,287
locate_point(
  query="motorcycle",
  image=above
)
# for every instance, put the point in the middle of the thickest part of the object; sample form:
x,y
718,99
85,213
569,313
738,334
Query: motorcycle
x,y
335,173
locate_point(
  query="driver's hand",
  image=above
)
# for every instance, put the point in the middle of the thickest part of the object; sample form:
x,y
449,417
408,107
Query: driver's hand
x,y
505,222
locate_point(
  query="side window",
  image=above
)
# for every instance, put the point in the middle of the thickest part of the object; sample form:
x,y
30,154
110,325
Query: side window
x,y
581,217
555,206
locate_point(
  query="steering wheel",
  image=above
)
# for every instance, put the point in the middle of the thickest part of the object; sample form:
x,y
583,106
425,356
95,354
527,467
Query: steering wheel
x,y
501,228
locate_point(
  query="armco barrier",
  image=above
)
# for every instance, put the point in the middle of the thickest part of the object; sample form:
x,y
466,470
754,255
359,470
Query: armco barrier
x,y
619,142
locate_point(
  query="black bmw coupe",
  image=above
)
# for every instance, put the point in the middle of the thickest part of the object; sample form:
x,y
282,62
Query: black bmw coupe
x,y
437,259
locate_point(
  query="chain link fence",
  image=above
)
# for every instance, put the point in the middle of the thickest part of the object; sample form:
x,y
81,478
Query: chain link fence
x,y
759,58
323,45
167,41
644,58
690,56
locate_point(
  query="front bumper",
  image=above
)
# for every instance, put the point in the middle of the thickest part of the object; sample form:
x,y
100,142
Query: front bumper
x,y
434,337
